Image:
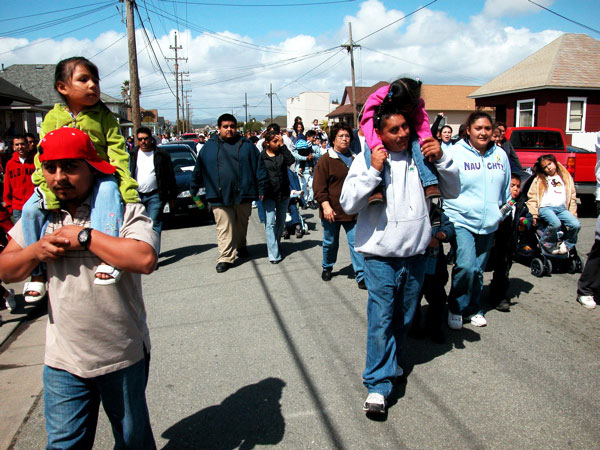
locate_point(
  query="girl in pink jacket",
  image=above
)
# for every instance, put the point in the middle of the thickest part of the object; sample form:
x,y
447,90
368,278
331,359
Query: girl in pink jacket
x,y
405,91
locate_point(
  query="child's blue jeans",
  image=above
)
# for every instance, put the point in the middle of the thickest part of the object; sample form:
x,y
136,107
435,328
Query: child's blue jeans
x,y
106,213
555,216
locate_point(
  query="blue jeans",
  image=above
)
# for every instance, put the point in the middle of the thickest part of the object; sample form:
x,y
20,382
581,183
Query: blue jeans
x,y
306,181
555,216
275,223
154,208
16,215
472,251
106,214
394,285
72,403
260,209
331,243
427,171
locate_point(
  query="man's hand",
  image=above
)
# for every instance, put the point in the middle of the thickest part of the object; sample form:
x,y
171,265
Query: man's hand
x,y
431,149
378,157
70,233
51,247
328,212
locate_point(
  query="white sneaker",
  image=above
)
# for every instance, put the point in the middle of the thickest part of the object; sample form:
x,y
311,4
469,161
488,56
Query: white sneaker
x,y
454,321
11,303
375,404
477,320
587,301
562,248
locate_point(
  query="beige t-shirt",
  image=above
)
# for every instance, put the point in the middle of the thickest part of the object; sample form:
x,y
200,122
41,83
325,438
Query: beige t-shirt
x,y
94,330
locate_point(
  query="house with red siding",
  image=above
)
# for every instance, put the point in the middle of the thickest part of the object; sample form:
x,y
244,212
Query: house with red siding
x,y
558,86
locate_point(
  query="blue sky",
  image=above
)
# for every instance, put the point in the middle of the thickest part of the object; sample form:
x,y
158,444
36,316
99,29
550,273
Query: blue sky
x,y
448,42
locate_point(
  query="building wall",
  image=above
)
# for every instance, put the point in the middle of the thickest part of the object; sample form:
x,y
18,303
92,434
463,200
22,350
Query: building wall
x,y
309,106
550,107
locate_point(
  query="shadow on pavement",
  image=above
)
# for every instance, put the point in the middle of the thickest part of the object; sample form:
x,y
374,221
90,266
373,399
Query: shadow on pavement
x,y
177,254
249,417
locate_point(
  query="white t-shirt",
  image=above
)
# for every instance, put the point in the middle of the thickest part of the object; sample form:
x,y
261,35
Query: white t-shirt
x,y
146,175
555,195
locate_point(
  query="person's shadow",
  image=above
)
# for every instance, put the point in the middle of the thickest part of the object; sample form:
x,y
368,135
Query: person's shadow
x,y
249,417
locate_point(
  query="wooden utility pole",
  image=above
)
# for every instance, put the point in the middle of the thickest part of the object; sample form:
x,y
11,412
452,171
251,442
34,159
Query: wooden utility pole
x,y
134,81
184,125
350,48
270,94
246,107
177,125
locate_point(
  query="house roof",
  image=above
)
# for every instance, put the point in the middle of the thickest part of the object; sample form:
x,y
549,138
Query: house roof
x,y
571,61
440,97
362,93
437,97
10,93
38,80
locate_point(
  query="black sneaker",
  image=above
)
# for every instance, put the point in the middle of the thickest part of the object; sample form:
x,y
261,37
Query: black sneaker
x,y
362,285
326,275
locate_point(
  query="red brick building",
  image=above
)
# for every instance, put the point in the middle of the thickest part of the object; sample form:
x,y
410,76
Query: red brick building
x,y
558,86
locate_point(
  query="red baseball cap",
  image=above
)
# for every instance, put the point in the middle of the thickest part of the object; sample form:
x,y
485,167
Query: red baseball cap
x,y
72,143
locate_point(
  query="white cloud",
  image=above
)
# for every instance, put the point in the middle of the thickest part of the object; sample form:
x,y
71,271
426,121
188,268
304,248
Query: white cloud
x,y
501,8
431,44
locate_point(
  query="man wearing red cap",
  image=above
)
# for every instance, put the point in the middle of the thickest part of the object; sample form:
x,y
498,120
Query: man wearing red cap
x,y
97,340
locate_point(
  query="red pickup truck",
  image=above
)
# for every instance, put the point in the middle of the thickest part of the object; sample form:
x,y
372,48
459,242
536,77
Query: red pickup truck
x,y
532,142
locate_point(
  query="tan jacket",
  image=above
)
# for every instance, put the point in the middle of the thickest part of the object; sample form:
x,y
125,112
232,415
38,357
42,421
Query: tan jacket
x,y
537,189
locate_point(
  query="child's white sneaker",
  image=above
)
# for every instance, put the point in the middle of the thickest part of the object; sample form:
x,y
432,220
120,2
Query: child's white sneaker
x,y
562,248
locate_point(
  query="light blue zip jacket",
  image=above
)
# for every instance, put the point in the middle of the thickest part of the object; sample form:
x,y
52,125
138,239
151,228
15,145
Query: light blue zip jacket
x,y
484,187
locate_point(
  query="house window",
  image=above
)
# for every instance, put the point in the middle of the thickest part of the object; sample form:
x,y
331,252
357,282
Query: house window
x,y
576,114
525,113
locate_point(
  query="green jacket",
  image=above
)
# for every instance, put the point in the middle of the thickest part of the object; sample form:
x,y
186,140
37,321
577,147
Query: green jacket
x,y
103,129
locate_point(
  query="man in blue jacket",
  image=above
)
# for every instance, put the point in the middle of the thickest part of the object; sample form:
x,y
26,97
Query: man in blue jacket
x,y
230,168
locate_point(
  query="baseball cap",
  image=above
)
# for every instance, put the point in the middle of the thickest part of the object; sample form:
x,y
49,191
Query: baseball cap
x,y
72,143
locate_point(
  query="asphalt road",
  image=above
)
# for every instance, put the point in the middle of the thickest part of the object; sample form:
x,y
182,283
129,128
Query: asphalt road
x,y
270,355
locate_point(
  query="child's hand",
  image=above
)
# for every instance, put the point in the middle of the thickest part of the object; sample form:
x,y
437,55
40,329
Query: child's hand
x,y
431,149
378,156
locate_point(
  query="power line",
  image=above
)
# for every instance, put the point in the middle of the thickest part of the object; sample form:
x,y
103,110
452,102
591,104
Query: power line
x,y
29,16
51,23
566,18
216,35
58,35
262,5
109,46
152,47
396,21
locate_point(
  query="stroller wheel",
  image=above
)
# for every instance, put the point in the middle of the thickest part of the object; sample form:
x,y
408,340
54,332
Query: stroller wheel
x,y
537,267
548,266
575,265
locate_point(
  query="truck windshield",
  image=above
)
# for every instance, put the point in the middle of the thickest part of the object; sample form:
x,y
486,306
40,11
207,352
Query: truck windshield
x,y
536,140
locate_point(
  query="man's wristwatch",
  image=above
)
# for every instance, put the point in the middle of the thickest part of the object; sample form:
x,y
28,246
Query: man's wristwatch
x,y
85,237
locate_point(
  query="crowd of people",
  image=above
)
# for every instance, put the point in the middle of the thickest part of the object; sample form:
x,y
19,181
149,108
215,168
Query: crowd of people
x,y
86,209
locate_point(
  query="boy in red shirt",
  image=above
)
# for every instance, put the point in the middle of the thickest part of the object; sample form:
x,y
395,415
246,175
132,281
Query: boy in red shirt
x,y
18,186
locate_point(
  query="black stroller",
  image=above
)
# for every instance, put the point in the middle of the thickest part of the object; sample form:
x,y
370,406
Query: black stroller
x,y
530,251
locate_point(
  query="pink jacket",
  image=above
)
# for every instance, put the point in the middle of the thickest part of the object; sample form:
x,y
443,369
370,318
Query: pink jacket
x,y
420,118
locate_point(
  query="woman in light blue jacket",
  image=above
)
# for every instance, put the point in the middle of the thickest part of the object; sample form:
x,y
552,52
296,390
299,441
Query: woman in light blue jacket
x,y
484,179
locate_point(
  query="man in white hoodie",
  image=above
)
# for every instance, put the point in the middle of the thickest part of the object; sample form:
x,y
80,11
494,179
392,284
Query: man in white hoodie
x,y
393,237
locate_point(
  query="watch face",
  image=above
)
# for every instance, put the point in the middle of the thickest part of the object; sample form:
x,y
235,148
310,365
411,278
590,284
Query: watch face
x,y
84,237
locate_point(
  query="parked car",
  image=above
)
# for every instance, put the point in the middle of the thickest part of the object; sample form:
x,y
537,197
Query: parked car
x,y
532,142
190,136
191,144
183,160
